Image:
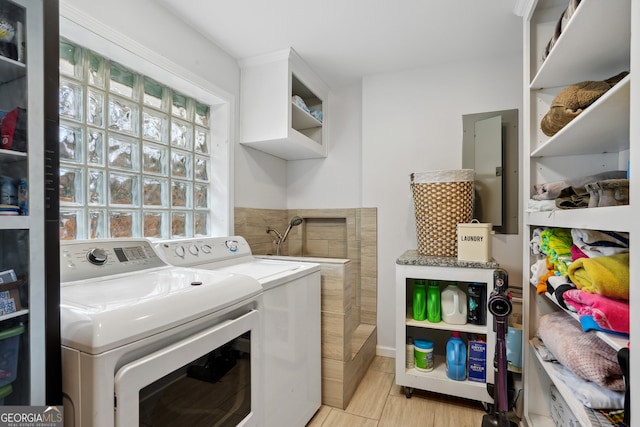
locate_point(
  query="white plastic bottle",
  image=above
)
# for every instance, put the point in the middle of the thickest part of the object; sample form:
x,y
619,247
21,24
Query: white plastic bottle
x,y
454,305
411,357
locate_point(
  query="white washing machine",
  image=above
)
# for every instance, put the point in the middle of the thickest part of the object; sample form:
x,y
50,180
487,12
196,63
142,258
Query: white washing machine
x,y
145,343
290,312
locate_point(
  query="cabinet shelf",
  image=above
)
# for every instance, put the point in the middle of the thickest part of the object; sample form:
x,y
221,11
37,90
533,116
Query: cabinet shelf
x,y
7,156
581,412
11,70
14,222
445,270
444,326
302,120
438,381
617,218
18,313
572,58
601,128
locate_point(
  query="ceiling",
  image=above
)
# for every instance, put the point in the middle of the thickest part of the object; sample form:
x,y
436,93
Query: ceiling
x,y
344,40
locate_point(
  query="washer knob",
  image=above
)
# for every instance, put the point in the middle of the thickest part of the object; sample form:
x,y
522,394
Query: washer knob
x,y
232,245
206,249
193,249
180,251
97,256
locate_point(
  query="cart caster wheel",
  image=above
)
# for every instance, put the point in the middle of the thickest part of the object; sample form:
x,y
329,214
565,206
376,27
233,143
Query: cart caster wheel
x,y
488,407
407,392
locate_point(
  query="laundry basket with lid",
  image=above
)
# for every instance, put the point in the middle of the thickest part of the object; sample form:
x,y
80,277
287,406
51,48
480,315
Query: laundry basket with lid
x,y
442,199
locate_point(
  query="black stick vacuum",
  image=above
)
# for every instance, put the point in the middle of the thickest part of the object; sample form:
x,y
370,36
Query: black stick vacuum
x,y
500,306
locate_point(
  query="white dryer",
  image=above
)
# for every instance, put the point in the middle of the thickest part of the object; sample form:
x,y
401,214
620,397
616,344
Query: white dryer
x,y
145,343
290,315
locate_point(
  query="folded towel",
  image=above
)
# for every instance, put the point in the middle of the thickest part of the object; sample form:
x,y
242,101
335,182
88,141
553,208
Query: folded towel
x,y
317,114
584,353
551,190
604,275
559,291
588,393
299,102
534,243
576,253
608,313
540,205
588,324
556,244
594,243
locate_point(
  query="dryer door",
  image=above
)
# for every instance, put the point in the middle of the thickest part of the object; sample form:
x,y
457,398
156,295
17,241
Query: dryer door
x,y
210,377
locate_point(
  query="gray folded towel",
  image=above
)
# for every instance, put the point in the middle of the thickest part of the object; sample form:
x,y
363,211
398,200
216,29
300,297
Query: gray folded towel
x,y
551,190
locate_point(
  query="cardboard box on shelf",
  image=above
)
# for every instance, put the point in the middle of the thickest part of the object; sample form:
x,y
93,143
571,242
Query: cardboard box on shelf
x,y
10,297
477,361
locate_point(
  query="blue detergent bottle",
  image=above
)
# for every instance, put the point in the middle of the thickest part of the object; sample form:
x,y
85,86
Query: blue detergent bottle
x,y
456,357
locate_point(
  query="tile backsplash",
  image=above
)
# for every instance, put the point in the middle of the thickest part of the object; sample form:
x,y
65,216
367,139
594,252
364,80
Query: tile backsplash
x,y
325,233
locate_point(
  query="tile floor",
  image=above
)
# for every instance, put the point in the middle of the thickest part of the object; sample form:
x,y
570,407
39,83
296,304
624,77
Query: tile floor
x,y
379,402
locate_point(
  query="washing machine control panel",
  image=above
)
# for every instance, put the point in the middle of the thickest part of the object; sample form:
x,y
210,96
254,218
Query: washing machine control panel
x,y
86,259
197,251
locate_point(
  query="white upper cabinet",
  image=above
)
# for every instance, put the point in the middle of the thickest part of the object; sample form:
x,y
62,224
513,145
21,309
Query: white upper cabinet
x,y
283,106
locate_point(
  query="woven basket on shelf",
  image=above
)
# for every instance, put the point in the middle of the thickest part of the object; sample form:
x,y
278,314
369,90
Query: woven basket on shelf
x,y
442,199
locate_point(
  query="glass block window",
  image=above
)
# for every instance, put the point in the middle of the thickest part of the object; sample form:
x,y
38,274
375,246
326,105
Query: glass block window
x,y
134,153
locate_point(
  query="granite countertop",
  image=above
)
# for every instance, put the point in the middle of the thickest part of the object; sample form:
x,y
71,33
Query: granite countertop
x,y
412,257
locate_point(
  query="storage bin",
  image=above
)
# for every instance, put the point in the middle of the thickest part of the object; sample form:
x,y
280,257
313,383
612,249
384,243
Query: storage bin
x,y
442,199
474,241
4,392
9,347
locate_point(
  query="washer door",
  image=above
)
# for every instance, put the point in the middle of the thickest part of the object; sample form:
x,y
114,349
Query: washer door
x,y
207,376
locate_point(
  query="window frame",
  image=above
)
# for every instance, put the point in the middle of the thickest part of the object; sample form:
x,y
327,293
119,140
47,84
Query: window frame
x,y
74,26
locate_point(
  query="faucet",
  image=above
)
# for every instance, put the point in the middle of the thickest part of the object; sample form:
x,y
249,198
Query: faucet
x,y
295,221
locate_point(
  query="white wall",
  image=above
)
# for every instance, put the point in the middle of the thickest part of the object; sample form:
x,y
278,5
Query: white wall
x,y
159,30
264,181
334,182
412,122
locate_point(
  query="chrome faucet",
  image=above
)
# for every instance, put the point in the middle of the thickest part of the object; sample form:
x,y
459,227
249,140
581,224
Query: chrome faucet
x,y
295,221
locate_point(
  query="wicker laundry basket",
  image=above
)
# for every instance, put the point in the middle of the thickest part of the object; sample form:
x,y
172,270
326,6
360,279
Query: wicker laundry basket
x,y
442,199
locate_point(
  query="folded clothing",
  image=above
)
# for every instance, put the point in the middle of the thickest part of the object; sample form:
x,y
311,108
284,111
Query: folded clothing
x,y
561,25
299,102
317,114
608,313
604,275
573,198
594,243
583,353
608,192
551,190
540,205
589,394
